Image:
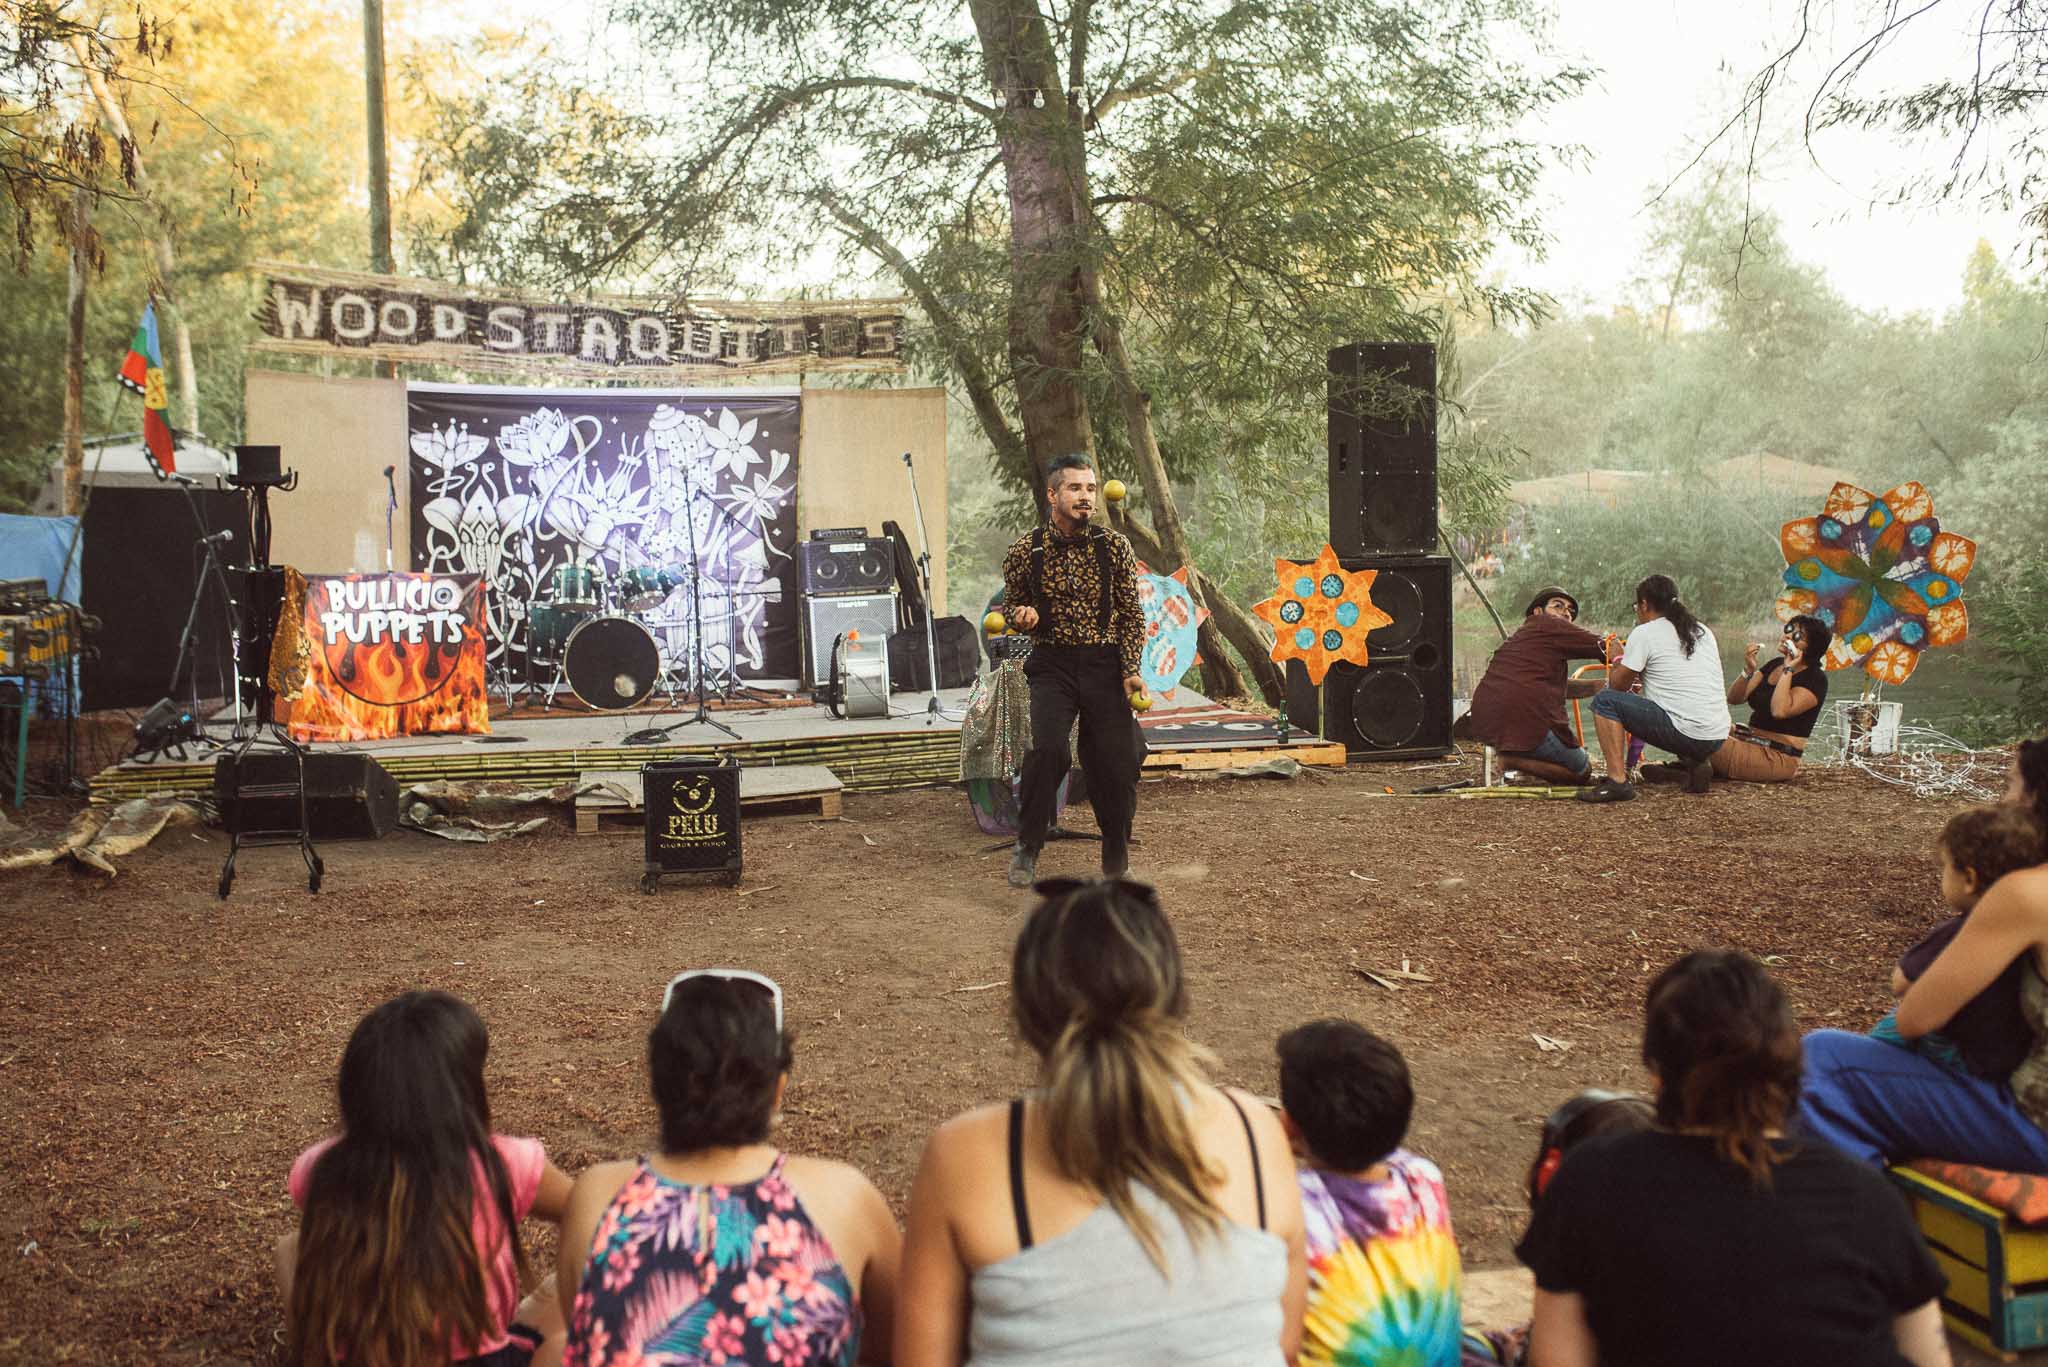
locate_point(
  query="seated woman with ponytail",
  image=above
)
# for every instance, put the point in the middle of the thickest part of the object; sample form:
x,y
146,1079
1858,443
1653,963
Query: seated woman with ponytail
x,y
1129,1211
1713,1239
1683,706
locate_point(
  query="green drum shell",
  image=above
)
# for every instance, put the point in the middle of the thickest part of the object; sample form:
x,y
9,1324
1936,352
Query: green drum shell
x,y
552,625
645,586
574,586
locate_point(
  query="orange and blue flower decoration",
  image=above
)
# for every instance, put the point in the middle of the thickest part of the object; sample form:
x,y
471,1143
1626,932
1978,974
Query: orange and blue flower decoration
x,y
1882,574
1321,613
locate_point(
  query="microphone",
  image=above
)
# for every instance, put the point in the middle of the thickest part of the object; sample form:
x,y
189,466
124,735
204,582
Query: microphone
x,y
219,538
389,470
906,457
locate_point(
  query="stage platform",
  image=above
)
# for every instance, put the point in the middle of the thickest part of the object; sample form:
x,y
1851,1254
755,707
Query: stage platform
x,y
903,750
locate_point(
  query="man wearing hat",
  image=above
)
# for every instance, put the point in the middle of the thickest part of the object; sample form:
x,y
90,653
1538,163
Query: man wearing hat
x,y
1518,707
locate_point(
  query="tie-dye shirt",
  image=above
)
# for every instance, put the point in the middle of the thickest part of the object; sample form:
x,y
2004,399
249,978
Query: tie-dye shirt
x,y
1383,1271
682,1274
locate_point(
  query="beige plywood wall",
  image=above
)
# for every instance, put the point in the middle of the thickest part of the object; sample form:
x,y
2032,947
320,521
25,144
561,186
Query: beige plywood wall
x,y
850,469
339,434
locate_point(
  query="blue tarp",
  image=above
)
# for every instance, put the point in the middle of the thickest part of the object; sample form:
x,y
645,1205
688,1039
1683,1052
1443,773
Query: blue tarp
x,y
33,548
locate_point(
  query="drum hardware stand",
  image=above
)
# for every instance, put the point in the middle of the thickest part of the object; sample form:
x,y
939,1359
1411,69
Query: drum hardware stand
x,y
188,640
702,716
933,711
257,473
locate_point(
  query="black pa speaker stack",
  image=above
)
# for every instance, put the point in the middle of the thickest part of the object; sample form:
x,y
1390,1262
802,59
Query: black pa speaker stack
x,y
1383,517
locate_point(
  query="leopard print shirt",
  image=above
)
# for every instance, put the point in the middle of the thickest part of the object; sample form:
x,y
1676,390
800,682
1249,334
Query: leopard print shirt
x,y
1071,614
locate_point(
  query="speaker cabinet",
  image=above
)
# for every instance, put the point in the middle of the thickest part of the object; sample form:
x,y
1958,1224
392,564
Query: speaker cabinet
x,y
863,564
348,796
1399,705
873,615
1383,449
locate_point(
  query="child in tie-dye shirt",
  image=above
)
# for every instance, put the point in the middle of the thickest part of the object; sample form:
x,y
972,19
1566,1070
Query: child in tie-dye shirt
x,y
1383,1270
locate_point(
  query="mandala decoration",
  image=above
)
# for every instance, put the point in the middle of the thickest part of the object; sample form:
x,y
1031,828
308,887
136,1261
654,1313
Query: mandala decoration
x,y
1171,620
1882,574
1321,613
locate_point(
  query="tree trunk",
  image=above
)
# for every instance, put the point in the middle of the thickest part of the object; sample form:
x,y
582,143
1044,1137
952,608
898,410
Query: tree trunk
x,y
1045,165
166,257
74,355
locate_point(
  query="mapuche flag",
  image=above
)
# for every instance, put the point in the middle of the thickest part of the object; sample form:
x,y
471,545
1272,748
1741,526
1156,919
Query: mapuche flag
x,y
142,370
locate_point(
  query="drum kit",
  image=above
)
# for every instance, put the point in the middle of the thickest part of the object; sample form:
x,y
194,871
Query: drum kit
x,y
597,632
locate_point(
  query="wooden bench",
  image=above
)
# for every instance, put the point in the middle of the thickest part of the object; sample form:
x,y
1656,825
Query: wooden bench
x,y
1997,1268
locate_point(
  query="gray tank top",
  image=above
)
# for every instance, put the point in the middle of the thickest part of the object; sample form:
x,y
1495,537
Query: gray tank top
x,y
1092,1296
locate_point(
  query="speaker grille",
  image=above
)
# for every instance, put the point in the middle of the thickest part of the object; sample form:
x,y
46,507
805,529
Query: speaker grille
x,y
873,615
1388,707
1383,455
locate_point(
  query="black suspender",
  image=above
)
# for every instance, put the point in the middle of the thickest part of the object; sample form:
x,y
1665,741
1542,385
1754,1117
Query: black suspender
x,y
1104,567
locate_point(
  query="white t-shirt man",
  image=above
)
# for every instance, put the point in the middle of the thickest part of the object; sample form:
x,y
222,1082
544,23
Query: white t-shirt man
x,y
1690,689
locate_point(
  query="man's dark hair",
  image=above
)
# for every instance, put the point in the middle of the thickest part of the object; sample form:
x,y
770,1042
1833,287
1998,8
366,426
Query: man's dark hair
x,y
1073,460
1346,1090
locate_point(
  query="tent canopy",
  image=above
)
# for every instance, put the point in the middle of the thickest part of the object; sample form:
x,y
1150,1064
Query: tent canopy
x,y
119,462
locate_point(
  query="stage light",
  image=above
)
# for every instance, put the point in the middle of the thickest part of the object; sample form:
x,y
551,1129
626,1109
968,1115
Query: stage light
x,y
165,724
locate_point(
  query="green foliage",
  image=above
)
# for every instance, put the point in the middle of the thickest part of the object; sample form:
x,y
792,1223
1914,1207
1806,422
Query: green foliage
x,y
2007,617
1721,548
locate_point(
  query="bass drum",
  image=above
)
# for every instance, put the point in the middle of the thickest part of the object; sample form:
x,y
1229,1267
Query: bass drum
x,y
612,663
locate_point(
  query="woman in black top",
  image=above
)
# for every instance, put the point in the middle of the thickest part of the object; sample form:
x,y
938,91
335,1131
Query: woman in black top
x,y
1784,700
1714,1240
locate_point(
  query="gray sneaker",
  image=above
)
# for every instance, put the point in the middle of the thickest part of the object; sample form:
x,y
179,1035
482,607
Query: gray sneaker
x,y
1023,867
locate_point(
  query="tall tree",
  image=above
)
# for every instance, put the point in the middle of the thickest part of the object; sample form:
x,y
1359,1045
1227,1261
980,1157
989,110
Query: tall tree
x,y
1122,222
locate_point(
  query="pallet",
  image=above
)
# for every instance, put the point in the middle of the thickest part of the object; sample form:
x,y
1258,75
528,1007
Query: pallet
x,y
1323,753
801,789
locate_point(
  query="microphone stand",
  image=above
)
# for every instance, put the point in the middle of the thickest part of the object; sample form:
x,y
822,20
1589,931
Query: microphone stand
x,y
702,716
186,484
390,512
933,712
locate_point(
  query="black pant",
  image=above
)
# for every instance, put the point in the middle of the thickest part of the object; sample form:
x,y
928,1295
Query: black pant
x,y
1087,681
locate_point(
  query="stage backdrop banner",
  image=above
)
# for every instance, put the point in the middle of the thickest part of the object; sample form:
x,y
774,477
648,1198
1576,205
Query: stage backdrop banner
x,y
393,655
514,484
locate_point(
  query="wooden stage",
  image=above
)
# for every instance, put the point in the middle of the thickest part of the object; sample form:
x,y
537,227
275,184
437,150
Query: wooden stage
x,y
902,750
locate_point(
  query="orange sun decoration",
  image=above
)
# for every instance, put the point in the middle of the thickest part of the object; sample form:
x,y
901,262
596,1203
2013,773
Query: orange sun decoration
x,y
1321,613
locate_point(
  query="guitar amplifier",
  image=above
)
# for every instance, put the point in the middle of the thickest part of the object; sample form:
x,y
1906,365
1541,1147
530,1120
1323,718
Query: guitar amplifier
x,y
861,564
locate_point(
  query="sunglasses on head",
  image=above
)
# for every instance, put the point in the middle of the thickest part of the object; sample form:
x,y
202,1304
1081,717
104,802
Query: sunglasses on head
x,y
1050,888
739,975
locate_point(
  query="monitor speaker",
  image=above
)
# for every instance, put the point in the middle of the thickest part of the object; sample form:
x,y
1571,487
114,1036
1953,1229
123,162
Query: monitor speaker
x,y
1398,706
860,564
348,796
1383,449
873,615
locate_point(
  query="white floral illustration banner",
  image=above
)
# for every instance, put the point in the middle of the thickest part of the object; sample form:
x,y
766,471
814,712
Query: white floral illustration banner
x,y
515,485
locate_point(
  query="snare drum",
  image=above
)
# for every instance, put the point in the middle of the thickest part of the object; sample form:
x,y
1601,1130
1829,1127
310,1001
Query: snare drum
x,y
646,586
575,586
552,625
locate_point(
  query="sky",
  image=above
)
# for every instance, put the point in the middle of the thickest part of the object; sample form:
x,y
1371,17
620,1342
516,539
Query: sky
x,y
1672,71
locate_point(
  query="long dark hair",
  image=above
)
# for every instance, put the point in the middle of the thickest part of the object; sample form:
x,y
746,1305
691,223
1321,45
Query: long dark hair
x,y
1662,596
1097,993
1719,1034
388,1269
2033,766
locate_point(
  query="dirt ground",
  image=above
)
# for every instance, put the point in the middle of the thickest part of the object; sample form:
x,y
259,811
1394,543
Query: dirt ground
x,y
163,1055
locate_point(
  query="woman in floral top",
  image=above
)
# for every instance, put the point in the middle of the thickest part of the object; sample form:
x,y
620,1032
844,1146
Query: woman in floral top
x,y
720,1248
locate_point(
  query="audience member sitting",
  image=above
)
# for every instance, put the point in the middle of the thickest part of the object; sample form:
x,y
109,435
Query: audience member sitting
x,y
1876,1102
1784,699
721,1247
1713,1239
1129,1211
408,1246
1383,1271
1518,707
1584,1115
1988,1036
1683,707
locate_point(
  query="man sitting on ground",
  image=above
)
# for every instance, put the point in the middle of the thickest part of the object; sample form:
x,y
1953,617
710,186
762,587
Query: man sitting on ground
x,y
1518,707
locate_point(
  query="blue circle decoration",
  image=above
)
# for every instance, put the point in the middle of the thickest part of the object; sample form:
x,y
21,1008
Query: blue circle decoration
x,y
1921,535
1826,617
1830,528
1347,614
1333,587
1304,587
1912,633
1291,610
1305,638
1333,639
